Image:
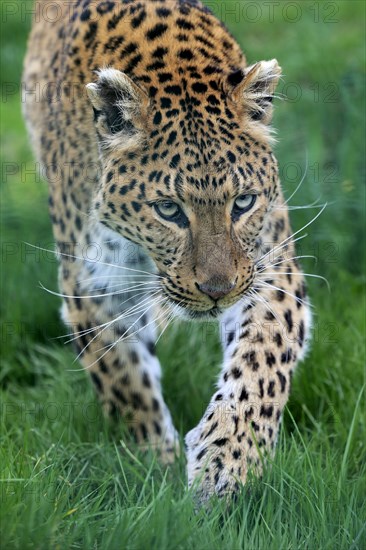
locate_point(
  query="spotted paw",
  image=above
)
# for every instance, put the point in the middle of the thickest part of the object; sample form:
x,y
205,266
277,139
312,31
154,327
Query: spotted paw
x,y
219,456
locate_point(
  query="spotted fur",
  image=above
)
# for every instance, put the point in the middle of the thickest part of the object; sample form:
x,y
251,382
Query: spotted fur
x,y
153,101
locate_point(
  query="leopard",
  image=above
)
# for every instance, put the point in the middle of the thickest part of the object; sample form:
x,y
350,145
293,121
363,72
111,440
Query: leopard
x,y
156,139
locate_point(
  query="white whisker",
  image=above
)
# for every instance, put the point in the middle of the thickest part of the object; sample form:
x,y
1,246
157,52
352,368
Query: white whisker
x,y
270,264
103,295
129,335
132,311
304,207
169,319
121,277
278,247
299,274
285,241
57,253
301,181
269,285
76,335
266,304
121,338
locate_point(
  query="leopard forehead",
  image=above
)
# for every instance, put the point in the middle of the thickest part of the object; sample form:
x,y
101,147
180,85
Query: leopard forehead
x,y
178,113
193,173
192,156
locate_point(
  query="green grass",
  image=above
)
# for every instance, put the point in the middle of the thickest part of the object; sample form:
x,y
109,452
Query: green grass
x,y
65,480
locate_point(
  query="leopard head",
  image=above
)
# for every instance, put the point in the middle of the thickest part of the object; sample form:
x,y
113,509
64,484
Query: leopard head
x,y
188,174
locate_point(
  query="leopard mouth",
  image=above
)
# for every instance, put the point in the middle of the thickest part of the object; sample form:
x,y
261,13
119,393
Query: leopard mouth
x,y
188,311
190,314
207,315
193,308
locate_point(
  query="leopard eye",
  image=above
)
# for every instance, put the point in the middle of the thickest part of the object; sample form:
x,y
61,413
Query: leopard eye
x,y
167,209
172,212
242,204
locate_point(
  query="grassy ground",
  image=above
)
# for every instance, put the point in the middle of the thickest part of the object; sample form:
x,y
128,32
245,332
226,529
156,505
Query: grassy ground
x,y
64,482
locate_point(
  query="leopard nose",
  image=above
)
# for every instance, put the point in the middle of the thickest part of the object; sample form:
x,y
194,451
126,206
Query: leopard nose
x,y
214,290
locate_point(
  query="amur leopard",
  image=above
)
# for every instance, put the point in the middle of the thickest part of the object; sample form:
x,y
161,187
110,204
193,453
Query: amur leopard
x,y
166,202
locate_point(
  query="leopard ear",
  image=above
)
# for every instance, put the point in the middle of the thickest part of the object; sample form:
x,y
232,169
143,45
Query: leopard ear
x,y
120,108
253,88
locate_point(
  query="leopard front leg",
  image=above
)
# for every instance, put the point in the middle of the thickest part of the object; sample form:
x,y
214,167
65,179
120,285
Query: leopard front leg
x,y
262,344
110,304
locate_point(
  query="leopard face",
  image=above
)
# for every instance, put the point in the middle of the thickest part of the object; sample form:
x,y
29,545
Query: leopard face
x,y
195,201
